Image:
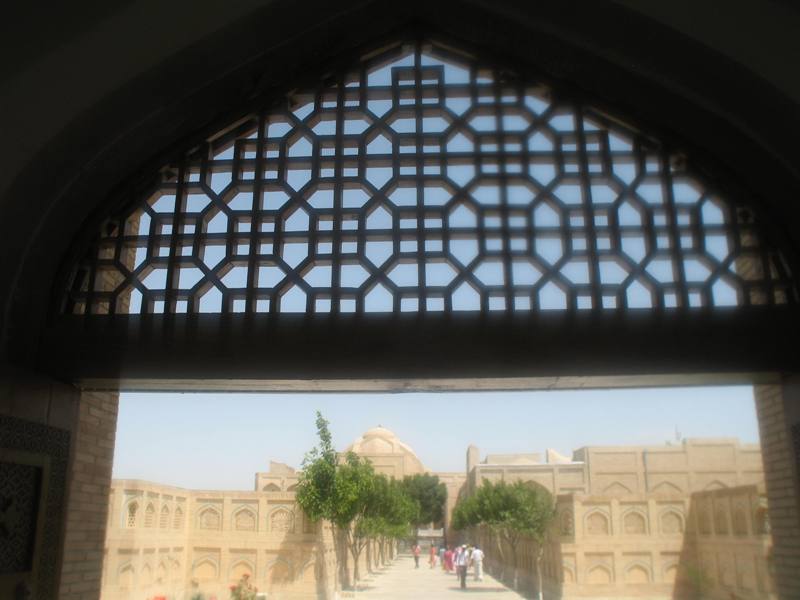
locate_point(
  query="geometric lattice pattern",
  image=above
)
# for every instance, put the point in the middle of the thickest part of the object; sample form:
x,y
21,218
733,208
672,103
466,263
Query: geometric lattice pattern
x,y
423,181
53,445
20,487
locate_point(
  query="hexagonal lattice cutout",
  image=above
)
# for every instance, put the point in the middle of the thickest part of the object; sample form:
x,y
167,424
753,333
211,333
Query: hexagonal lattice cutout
x,y
349,199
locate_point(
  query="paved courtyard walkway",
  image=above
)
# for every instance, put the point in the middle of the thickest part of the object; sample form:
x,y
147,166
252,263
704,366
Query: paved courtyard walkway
x,y
401,581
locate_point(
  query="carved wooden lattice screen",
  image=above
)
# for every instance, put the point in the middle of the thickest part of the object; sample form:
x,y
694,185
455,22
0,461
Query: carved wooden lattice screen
x,y
422,181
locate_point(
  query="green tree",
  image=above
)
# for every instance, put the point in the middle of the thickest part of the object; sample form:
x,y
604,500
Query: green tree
x,y
317,483
318,493
431,496
511,511
355,500
390,513
360,505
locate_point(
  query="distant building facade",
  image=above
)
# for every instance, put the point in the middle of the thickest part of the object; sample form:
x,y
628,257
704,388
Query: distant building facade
x,y
633,521
647,522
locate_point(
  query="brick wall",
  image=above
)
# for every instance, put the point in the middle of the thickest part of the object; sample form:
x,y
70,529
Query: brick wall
x,y
777,406
87,502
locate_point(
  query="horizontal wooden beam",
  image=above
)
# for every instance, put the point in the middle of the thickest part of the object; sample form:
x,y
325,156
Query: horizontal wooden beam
x,y
397,353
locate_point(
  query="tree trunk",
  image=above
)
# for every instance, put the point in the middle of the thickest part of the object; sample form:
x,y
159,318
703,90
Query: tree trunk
x,y
343,551
537,561
355,549
514,560
501,557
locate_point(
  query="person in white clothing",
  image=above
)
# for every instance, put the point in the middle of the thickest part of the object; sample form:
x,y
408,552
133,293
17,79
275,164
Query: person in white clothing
x,y
462,562
477,563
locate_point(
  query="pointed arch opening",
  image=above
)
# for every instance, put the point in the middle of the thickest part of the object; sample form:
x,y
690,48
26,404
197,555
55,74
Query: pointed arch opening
x,y
240,568
597,522
163,519
150,516
672,522
131,514
126,577
177,518
281,520
245,519
209,517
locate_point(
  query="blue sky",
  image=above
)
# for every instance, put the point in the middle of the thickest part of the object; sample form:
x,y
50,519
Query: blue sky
x,y
218,441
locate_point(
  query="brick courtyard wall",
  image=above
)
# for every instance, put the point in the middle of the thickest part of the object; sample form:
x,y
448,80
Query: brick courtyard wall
x,y
778,408
87,501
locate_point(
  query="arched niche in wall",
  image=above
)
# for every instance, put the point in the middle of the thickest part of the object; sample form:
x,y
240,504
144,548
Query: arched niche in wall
x,y
597,522
634,522
241,568
150,516
671,522
209,517
205,569
131,514
163,519
245,519
177,519
126,577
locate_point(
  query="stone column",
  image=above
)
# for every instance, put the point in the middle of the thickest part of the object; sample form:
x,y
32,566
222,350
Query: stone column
x,y
778,409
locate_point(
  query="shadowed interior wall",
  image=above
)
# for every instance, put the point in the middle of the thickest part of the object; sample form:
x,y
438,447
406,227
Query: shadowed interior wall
x,y
43,414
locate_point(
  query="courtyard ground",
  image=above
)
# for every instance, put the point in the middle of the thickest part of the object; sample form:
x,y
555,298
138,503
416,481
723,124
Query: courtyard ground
x,y
401,581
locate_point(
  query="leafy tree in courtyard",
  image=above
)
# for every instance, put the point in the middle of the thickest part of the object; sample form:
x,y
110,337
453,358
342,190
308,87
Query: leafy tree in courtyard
x,y
355,499
361,505
430,494
513,512
389,514
317,490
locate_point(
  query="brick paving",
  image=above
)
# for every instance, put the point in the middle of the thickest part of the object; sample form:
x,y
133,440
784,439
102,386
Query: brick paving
x,y
401,581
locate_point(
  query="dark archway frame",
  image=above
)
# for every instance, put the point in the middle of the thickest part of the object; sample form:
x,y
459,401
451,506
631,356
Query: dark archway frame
x,y
175,348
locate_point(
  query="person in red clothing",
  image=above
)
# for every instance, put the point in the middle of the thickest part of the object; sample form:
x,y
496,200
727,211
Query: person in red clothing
x,y
432,558
416,550
448,559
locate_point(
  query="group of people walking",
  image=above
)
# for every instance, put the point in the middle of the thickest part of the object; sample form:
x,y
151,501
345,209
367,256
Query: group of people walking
x,y
456,560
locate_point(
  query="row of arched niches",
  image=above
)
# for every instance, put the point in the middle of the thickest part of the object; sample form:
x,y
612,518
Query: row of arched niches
x,y
422,181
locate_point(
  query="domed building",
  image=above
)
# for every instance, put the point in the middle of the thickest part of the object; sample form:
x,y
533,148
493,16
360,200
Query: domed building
x,y
387,453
